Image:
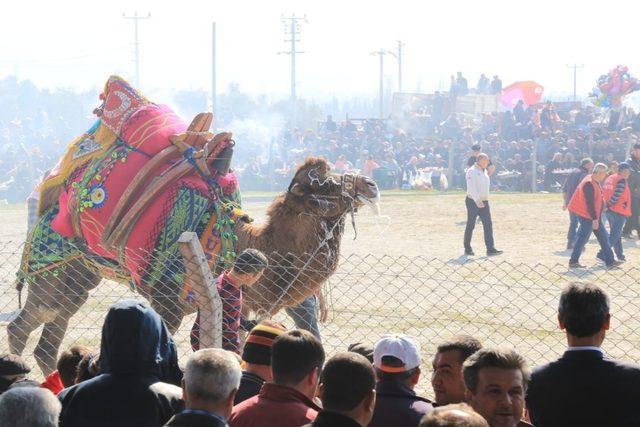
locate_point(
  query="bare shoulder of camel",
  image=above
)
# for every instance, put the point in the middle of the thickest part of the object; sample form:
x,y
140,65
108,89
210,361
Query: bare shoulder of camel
x,y
119,199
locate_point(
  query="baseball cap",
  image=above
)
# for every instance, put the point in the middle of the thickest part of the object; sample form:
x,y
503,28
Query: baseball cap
x,y
11,364
624,166
361,348
400,346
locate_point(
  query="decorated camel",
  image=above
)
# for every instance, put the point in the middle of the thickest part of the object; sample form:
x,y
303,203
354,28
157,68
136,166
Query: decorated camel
x,y
117,202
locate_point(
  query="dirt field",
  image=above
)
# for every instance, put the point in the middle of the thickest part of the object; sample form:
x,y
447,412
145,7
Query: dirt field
x,y
406,273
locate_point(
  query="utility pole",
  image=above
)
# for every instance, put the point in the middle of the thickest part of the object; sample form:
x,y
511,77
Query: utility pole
x,y
381,53
292,29
136,43
399,53
214,93
575,75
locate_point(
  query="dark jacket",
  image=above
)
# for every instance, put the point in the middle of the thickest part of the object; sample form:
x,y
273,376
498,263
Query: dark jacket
x,y
333,419
398,406
275,406
189,418
584,388
250,386
574,179
634,178
138,374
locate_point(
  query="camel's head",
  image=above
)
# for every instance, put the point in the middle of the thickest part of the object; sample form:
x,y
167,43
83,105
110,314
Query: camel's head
x,y
318,191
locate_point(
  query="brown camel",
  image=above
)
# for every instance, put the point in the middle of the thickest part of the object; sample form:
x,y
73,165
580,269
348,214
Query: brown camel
x,y
301,236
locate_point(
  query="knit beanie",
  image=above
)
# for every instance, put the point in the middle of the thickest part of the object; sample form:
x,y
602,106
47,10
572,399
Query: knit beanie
x,y
257,347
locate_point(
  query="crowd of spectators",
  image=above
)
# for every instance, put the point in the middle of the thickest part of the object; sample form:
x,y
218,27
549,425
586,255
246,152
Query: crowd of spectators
x,y
284,378
419,153
416,151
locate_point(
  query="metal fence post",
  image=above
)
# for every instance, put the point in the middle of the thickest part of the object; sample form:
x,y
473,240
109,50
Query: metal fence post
x,y
534,165
207,297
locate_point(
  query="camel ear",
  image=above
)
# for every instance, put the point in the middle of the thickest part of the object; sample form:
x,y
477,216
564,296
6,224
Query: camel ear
x,y
296,190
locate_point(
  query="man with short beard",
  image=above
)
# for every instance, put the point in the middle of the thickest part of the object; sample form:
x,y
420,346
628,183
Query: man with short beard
x,y
446,378
496,381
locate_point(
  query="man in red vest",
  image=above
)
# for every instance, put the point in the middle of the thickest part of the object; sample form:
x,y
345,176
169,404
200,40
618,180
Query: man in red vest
x,y
617,197
588,204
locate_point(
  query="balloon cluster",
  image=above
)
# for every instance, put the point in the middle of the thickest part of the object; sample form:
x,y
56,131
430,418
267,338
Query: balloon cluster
x,y
613,87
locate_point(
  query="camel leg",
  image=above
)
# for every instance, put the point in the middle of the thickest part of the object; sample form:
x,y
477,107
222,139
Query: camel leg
x,y
46,351
167,304
52,299
28,320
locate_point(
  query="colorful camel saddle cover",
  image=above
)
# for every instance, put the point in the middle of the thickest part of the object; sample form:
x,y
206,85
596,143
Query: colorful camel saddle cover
x,y
80,195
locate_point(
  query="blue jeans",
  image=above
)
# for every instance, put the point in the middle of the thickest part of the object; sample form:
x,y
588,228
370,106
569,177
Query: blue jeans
x,y
305,315
573,229
585,228
616,224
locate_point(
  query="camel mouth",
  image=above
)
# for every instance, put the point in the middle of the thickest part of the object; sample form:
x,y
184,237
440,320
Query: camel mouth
x,y
373,203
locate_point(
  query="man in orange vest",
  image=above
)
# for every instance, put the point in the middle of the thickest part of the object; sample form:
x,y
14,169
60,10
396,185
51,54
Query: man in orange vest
x,y
588,204
617,197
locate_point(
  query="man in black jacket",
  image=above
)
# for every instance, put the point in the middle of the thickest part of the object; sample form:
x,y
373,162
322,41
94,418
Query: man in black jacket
x,y
211,380
347,390
584,387
634,185
139,374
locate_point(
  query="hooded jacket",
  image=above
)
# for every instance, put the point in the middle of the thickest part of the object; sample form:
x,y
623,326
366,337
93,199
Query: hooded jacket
x,y
139,373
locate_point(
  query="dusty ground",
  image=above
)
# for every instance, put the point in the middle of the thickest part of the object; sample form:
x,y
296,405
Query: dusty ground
x,y
406,273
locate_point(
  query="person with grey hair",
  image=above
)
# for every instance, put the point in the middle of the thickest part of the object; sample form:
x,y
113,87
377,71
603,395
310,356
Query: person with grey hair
x,y
496,381
29,407
584,387
587,203
453,415
211,380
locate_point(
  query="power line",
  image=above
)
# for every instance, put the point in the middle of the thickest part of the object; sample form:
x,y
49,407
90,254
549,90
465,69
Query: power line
x,y
136,43
292,29
399,56
575,75
381,53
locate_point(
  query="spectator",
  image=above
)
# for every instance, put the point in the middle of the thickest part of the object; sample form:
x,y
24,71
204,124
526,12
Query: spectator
x,y
397,362
496,85
454,415
211,380
462,86
370,165
330,125
634,186
593,389
570,185
496,382
296,361
12,369
89,367
347,391
256,356
446,379
29,407
363,350
247,270
139,373
550,175
484,85
67,367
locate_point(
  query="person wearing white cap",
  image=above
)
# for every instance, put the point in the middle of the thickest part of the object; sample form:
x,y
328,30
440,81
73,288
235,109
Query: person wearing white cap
x,y
396,359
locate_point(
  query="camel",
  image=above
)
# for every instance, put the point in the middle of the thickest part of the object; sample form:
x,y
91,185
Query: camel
x,y
301,237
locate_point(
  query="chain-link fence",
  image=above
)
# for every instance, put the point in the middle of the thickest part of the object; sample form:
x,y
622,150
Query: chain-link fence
x,y
498,302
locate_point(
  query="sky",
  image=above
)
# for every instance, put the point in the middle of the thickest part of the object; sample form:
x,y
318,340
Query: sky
x,y
78,44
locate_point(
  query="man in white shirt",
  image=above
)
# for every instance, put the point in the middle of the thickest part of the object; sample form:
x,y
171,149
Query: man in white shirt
x,y
477,202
